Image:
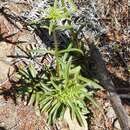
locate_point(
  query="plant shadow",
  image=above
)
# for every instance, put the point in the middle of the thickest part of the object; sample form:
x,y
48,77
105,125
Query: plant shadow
x,y
11,17
122,87
7,38
12,20
2,128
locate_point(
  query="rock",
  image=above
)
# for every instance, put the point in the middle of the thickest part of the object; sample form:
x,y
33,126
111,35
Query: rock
x,y
73,124
117,125
8,36
110,113
8,115
5,62
12,32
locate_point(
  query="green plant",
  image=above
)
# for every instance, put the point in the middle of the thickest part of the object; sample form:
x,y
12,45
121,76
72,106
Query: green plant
x,y
53,16
56,90
62,87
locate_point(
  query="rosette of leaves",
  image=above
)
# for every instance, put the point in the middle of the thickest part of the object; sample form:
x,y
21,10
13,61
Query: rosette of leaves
x,y
51,17
56,90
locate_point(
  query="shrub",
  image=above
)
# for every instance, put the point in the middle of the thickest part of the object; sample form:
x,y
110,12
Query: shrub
x,y
55,90
61,87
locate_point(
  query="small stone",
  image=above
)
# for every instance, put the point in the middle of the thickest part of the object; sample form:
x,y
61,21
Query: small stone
x,y
117,125
73,124
2,103
110,113
25,103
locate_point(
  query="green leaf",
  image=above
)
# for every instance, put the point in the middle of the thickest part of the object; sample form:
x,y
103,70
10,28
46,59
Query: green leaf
x,y
63,27
45,88
33,71
32,99
75,70
54,84
93,101
51,27
90,82
62,111
71,108
79,116
23,73
66,72
53,113
38,98
44,101
71,50
46,106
